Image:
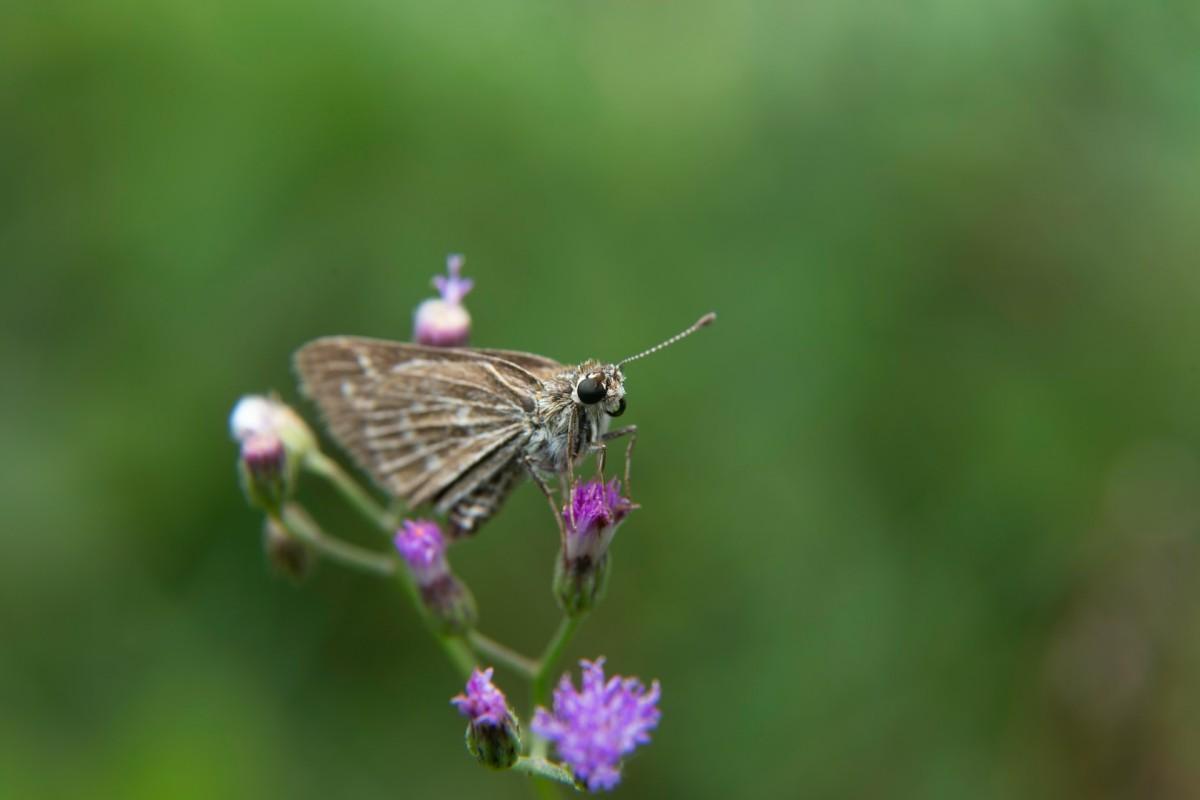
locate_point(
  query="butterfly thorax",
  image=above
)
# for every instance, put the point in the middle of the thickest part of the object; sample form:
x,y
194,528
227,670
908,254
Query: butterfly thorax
x,y
563,425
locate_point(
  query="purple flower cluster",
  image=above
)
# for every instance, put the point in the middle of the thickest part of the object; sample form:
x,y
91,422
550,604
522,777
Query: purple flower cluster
x,y
444,321
596,509
597,726
492,733
422,546
482,702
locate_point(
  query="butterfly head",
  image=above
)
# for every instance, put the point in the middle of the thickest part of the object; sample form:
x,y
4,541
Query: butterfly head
x,y
602,386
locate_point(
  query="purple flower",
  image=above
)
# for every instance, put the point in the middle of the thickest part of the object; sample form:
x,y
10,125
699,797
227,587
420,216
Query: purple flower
x,y
596,509
443,321
423,548
590,521
448,602
594,728
492,733
482,701
454,287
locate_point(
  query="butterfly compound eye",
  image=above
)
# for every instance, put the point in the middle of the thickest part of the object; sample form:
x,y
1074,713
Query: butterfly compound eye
x,y
590,391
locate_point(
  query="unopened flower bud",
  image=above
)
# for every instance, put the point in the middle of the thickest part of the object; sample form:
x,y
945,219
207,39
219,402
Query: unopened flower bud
x,y
255,414
446,599
596,510
579,586
263,465
443,321
284,552
493,733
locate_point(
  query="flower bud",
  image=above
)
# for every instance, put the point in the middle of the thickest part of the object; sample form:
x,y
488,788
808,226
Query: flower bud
x,y
493,733
579,586
284,552
256,414
263,465
443,321
446,599
591,520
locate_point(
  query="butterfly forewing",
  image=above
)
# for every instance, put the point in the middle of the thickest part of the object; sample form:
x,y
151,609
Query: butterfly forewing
x,y
539,366
431,425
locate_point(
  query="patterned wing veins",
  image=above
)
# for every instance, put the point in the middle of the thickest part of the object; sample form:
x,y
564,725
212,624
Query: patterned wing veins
x,y
429,424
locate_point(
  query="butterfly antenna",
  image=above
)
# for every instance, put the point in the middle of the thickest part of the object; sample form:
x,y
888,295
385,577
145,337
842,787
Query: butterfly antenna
x,y
707,319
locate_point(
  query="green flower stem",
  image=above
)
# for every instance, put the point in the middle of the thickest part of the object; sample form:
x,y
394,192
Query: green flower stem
x,y
490,648
544,789
459,650
298,523
360,498
541,768
459,653
455,647
546,666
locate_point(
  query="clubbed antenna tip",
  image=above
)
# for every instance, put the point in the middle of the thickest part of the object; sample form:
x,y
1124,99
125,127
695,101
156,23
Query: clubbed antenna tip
x,y
704,321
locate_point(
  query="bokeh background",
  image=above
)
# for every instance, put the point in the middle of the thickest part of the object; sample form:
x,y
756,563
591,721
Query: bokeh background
x,y
920,512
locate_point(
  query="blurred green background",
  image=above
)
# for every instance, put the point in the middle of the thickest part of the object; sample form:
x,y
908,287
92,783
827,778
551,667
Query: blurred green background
x,y
920,511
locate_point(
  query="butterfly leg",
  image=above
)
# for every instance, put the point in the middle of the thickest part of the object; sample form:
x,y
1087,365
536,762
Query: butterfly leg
x,y
571,456
533,473
631,432
601,458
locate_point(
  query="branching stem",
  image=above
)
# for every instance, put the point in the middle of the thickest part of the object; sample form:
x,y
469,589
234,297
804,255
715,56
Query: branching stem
x,y
460,650
546,666
321,464
300,524
502,654
541,768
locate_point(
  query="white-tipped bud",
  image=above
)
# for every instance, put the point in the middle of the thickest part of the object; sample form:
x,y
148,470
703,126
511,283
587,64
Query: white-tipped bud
x,y
443,321
253,414
441,324
258,414
274,442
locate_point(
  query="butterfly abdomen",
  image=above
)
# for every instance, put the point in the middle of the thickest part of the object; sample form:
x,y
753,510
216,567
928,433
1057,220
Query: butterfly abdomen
x,y
478,506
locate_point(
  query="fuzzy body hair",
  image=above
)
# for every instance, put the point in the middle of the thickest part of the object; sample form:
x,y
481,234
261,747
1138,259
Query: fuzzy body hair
x,y
561,417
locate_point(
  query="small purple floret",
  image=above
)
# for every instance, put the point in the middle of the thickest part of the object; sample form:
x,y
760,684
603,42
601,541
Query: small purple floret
x,y
597,726
422,546
596,509
482,702
596,505
453,288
